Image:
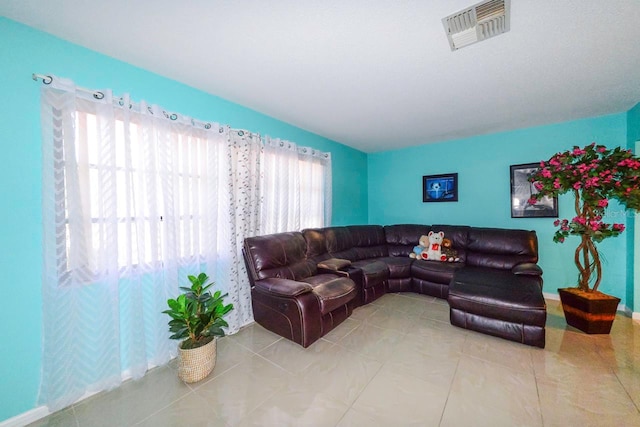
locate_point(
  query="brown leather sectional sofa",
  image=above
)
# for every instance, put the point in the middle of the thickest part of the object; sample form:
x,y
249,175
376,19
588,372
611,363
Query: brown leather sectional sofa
x,y
306,283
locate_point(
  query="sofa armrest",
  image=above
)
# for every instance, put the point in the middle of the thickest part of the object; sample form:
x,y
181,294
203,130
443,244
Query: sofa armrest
x,y
283,287
527,269
334,264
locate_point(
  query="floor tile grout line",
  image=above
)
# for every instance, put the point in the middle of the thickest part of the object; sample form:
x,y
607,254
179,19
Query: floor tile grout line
x,y
166,406
626,391
363,388
535,379
453,377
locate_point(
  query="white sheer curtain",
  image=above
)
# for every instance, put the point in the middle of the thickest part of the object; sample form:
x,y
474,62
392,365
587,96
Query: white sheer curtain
x,y
134,200
297,187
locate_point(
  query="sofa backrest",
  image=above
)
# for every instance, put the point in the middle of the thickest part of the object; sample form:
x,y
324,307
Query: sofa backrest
x,y
402,238
281,255
294,255
368,241
501,248
339,243
459,236
316,244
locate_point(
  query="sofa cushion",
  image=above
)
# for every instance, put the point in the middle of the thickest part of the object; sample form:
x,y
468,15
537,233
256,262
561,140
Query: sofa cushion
x,y
499,294
402,238
332,291
501,248
374,272
399,267
435,271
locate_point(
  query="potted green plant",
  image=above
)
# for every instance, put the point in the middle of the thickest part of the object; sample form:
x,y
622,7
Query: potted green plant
x,y
197,318
595,175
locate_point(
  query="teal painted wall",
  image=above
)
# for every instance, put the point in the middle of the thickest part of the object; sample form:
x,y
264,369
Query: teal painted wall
x,y
23,51
633,254
482,164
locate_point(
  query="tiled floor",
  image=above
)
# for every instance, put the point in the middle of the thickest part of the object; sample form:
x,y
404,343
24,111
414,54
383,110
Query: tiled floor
x,y
396,362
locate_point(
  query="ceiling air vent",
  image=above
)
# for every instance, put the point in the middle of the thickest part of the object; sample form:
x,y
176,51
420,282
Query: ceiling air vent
x,y
477,23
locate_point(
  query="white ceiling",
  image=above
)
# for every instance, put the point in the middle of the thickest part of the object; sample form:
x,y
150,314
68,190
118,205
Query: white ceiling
x,y
372,74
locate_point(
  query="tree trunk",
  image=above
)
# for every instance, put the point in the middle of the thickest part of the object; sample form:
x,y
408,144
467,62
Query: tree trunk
x,y
586,257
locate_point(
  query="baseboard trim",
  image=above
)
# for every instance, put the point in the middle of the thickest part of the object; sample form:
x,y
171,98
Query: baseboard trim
x,y
26,418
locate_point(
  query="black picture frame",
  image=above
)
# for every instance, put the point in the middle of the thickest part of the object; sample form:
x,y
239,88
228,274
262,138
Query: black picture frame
x,y
522,190
440,188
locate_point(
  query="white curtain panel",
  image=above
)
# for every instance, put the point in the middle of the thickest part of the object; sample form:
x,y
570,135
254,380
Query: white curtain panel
x,y
296,190
134,200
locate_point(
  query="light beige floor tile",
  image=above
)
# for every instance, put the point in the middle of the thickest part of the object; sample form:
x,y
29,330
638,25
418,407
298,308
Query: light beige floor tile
x,y
436,368
371,341
403,304
354,418
384,300
133,401
296,409
342,330
493,349
229,354
340,375
568,368
191,410
395,320
362,312
434,334
402,400
255,338
436,311
630,380
420,297
293,357
64,418
597,401
441,301
242,388
487,394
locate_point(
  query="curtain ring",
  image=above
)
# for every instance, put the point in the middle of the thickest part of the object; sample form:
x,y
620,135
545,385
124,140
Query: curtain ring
x,y
207,126
98,95
173,116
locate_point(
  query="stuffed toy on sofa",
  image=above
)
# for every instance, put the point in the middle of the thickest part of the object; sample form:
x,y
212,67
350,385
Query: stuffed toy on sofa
x,y
451,255
422,246
434,249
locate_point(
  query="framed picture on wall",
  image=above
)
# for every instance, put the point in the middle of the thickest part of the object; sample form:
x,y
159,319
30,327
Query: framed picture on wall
x,y
522,190
440,188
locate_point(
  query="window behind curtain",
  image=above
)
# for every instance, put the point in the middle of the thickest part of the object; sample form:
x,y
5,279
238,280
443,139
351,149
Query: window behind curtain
x,y
296,193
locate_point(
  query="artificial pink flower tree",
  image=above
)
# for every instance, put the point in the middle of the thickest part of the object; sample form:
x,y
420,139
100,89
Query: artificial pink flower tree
x,y
595,175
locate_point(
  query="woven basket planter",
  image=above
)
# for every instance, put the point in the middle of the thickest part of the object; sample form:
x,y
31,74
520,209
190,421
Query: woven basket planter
x,y
195,364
